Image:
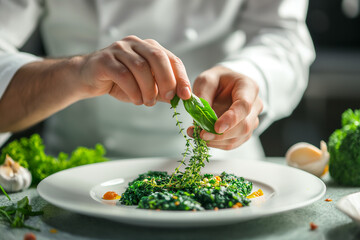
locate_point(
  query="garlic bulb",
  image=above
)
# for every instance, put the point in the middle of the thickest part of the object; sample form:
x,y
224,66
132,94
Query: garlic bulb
x,y
13,177
309,158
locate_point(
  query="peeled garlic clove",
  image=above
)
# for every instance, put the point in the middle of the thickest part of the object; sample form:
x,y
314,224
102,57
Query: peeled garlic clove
x,y
13,177
308,157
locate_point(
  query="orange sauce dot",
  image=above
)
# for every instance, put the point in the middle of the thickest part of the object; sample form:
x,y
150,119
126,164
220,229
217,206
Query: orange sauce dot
x,y
110,195
328,200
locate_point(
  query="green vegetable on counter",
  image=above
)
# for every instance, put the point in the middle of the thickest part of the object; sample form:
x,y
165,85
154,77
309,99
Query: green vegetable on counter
x,y
16,213
344,149
30,153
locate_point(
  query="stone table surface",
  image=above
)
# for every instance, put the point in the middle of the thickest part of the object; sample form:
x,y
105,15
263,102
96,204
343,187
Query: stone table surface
x,y
332,224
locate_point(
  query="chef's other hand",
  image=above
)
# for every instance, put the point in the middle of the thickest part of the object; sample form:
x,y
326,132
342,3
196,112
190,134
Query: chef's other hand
x,y
134,70
234,98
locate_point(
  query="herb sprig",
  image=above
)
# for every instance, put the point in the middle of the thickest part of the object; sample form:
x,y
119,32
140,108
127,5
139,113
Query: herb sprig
x,y
16,213
204,118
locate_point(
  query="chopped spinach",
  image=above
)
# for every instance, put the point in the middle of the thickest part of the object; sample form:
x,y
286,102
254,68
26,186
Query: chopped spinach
x,y
152,191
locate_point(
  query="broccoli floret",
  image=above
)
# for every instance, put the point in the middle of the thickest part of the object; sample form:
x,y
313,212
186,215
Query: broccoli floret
x,y
344,149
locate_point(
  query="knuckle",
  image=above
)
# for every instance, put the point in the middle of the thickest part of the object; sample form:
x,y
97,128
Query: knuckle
x,y
131,38
118,45
232,115
177,61
123,72
246,106
201,80
246,127
105,57
157,53
140,64
152,41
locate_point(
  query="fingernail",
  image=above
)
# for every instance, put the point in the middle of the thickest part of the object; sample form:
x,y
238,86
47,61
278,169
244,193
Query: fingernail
x,y
223,127
191,132
150,103
186,91
208,136
169,95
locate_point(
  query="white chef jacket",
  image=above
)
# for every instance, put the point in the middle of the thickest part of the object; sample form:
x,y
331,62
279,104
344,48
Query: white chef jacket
x,y
266,40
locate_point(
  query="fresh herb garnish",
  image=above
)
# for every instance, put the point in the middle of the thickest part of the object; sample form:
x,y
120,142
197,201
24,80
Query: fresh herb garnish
x,y
200,110
204,118
5,193
16,213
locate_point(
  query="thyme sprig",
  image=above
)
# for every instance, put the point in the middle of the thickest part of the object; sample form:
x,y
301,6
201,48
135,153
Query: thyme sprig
x,y
200,154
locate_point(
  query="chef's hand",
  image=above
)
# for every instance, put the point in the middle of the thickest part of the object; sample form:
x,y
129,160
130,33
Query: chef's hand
x,y
134,70
234,98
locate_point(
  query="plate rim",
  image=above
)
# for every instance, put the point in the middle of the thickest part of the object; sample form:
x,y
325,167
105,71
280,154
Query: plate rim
x,y
207,221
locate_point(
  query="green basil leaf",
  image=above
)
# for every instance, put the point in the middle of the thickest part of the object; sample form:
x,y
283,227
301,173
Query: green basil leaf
x,y
202,113
175,101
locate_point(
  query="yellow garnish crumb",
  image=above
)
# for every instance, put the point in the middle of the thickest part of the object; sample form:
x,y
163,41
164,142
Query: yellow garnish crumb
x,y
258,193
53,230
218,178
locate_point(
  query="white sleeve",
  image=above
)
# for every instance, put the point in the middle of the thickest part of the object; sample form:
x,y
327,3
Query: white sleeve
x,y
277,54
18,19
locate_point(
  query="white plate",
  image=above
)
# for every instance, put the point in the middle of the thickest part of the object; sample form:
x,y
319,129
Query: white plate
x,y
80,190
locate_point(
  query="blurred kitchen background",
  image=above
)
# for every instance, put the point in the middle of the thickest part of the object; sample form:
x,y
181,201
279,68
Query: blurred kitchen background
x,y
334,79
334,84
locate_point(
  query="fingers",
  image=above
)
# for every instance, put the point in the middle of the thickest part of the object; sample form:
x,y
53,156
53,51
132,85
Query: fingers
x,y
141,72
148,72
206,86
244,94
237,135
123,79
119,94
183,86
160,66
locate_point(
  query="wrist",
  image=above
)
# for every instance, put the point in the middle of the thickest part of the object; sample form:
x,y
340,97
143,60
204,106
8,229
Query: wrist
x,y
76,84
